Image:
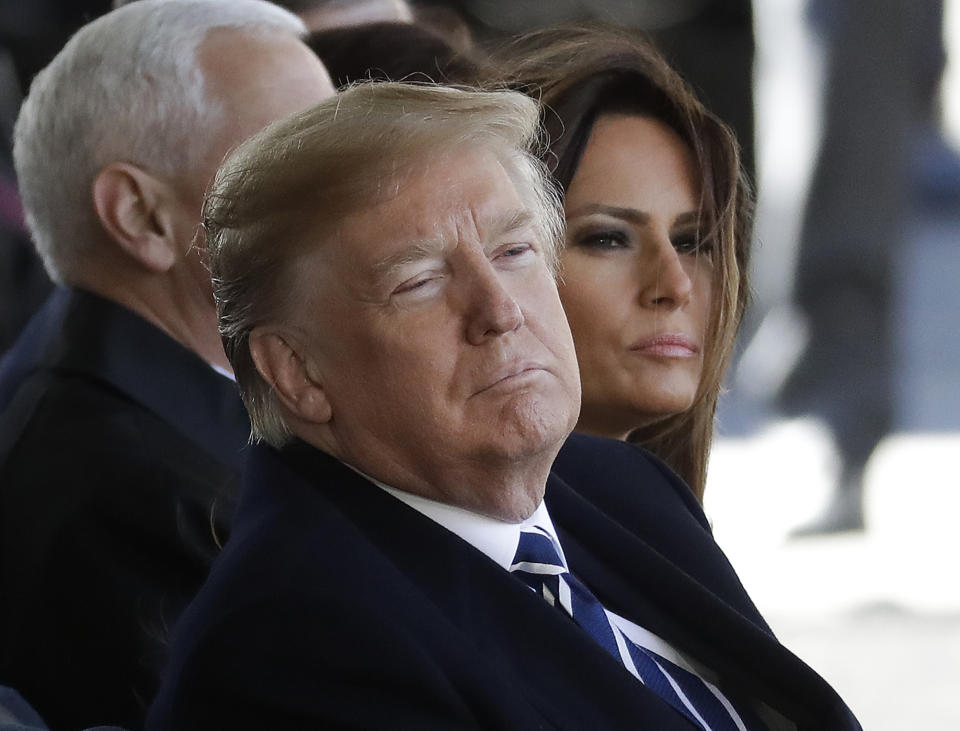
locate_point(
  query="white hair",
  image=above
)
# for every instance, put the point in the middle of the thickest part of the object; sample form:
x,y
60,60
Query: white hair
x,y
126,87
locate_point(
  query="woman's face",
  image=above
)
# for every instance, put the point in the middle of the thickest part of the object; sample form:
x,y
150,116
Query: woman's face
x,y
636,285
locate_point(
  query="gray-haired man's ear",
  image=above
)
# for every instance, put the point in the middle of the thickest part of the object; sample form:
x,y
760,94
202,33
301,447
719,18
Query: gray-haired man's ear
x,y
137,211
296,385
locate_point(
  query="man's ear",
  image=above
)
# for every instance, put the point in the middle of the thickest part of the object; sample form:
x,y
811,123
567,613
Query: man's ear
x,y
296,383
135,209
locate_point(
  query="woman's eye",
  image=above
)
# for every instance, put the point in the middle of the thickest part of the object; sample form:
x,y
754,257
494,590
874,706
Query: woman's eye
x,y
691,244
603,240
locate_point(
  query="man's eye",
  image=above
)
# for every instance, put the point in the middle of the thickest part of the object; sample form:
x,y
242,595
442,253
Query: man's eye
x,y
516,250
412,285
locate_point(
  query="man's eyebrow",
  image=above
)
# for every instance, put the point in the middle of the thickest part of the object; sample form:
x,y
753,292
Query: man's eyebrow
x,y
418,250
500,224
512,220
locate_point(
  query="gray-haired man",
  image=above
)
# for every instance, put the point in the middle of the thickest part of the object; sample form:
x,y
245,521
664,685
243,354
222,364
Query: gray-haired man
x,y
119,439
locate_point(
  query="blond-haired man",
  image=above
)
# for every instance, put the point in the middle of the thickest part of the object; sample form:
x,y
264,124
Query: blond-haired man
x,y
383,266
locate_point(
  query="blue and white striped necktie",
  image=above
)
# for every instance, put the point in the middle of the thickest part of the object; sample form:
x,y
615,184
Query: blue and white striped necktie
x,y
539,565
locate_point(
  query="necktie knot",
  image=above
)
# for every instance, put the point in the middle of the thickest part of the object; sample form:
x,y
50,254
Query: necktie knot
x,y
539,565
537,554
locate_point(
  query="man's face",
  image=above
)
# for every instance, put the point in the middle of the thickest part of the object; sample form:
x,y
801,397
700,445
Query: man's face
x,y
434,324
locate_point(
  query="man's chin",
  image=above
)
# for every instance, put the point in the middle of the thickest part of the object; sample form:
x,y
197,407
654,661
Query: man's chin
x,y
533,427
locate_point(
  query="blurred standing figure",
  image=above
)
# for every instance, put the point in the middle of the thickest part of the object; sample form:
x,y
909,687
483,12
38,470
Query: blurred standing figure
x,y
884,60
119,439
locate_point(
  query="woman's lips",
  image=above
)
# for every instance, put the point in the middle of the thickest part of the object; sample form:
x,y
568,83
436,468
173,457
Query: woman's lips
x,y
667,345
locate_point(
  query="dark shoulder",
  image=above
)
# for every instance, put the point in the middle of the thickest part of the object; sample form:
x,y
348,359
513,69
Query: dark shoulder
x,y
623,476
109,520
85,426
611,494
86,452
33,346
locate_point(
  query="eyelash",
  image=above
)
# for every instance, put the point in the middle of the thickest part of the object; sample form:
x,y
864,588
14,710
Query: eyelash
x,y
415,285
516,250
599,240
685,244
689,244
511,252
702,246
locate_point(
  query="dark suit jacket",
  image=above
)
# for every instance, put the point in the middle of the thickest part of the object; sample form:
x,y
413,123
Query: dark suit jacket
x,y
119,456
336,605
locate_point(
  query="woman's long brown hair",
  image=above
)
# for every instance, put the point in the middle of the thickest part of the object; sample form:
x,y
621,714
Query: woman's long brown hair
x,y
579,74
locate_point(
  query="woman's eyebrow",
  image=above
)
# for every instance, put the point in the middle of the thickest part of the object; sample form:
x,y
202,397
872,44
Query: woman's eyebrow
x,y
631,215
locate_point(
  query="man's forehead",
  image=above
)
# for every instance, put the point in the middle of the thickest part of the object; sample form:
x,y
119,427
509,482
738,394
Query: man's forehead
x,y
427,210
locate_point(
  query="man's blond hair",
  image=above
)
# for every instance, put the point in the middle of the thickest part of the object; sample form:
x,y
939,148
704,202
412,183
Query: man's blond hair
x,y
287,188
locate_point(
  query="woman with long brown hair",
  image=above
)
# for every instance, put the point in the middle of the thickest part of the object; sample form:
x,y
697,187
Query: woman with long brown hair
x,y
653,273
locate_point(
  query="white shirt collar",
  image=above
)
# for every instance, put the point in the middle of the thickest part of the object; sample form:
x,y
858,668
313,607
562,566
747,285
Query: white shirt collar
x,y
223,371
495,538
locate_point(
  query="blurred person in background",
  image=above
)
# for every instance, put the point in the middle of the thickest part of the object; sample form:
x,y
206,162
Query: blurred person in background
x,y
393,52
30,35
884,62
653,272
34,32
710,42
122,432
348,18
321,15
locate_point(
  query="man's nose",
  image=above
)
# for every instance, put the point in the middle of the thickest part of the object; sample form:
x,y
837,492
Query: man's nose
x,y
492,309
